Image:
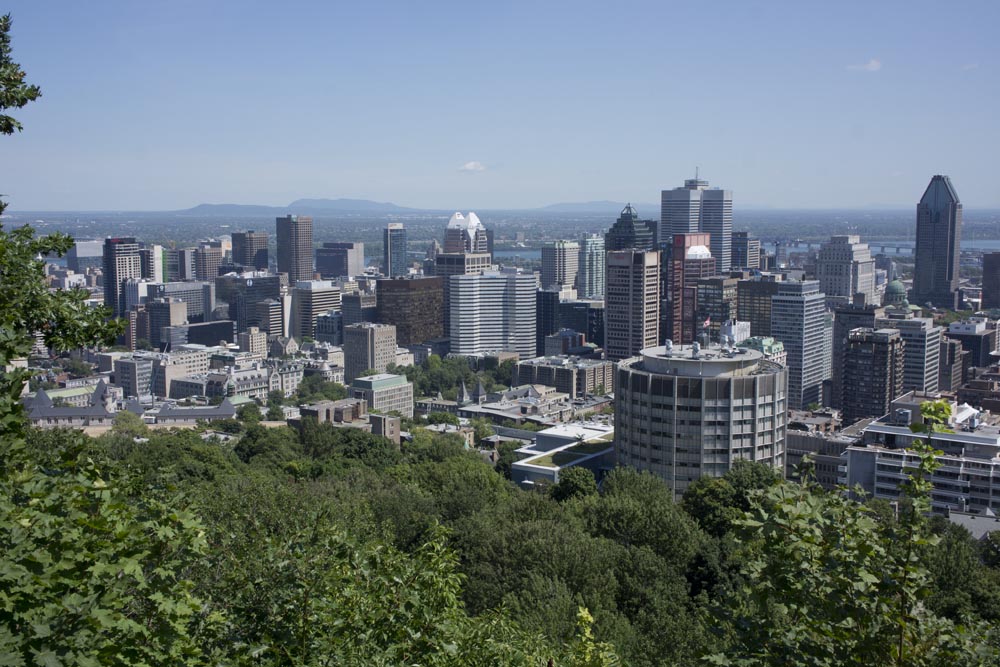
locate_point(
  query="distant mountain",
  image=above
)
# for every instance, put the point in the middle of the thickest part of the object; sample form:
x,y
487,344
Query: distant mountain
x,y
645,210
299,206
347,205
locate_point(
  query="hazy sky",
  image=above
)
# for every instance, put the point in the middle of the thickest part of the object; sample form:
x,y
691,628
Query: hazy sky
x,y
163,105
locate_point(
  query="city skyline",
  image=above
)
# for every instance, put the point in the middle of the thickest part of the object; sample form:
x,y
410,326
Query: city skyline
x,y
378,105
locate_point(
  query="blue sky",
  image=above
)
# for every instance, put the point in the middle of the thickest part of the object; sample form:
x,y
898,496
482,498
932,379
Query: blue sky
x,y
163,105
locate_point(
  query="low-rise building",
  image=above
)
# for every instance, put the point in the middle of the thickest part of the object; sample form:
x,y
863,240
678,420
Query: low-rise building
x,y
574,376
968,479
385,393
174,414
588,445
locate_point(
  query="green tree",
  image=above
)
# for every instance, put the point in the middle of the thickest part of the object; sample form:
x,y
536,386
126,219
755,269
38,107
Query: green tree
x,y
574,482
828,583
14,92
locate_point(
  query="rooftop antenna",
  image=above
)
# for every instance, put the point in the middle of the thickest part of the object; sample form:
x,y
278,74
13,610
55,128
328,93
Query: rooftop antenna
x,y
696,172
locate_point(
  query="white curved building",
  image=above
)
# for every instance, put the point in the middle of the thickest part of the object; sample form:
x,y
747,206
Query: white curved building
x,y
682,412
465,234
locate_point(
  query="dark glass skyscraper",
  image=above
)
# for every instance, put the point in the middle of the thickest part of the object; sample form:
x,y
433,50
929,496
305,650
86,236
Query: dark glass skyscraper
x,y
395,262
295,247
629,232
939,233
250,249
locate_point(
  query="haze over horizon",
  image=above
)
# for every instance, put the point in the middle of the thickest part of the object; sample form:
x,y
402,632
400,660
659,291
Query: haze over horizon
x,y
150,107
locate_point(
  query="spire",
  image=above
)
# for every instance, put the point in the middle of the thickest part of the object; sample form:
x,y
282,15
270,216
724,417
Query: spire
x,y
463,395
479,394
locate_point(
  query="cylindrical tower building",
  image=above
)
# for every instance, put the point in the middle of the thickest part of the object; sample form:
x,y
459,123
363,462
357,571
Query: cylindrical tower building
x,y
682,412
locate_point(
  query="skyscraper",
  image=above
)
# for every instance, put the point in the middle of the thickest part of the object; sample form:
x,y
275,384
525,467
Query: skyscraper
x,y
844,268
590,275
922,355
690,261
632,302
846,318
310,299
873,369
295,247
121,262
466,234
151,260
250,249
395,262
753,302
698,208
746,251
492,312
84,255
798,320
629,232
939,234
560,264
206,262
339,259
415,306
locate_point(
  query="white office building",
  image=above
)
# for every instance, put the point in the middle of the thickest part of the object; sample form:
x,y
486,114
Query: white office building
x,y
492,312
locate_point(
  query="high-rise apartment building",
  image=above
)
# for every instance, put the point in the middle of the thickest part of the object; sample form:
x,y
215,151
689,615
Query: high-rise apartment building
x,y
632,302
368,346
340,259
630,233
689,262
939,235
121,262
798,320
873,370
683,413
746,251
991,281
698,208
207,261
250,249
590,274
846,318
394,260
415,306
560,264
295,247
845,268
465,233
310,299
492,312
921,363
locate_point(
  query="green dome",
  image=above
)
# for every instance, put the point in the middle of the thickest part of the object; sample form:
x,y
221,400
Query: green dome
x,y
895,293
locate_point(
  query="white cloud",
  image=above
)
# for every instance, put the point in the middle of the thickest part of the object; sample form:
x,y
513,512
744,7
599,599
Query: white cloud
x,y
473,166
872,65
969,66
